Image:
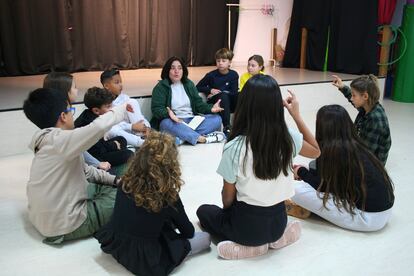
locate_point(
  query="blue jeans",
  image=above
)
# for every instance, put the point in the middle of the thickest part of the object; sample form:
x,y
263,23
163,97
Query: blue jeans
x,y
210,124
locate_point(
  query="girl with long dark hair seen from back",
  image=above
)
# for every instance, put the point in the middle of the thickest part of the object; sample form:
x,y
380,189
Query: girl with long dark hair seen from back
x,y
350,186
256,167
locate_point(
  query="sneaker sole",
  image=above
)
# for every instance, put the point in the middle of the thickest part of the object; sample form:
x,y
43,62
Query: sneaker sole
x,y
292,234
233,251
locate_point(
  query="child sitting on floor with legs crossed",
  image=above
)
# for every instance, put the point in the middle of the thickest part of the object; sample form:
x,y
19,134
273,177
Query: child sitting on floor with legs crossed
x,y
135,127
67,199
65,82
142,234
371,122
350,186
114,150
256,167
221,85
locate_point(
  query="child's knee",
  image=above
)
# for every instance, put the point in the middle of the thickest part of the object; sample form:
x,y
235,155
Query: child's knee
x,y
216,120
201,211
165,123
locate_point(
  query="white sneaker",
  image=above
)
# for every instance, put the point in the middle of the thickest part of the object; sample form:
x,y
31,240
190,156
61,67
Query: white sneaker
x,y
215,137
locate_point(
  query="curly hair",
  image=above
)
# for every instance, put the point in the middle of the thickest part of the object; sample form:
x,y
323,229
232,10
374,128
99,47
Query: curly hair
x,y
153,178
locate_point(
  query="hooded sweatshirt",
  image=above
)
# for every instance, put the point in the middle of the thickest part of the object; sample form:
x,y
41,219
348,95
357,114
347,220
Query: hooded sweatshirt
x,y
57,187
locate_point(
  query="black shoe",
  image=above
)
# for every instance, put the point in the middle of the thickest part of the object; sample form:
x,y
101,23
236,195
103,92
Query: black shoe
x,y
227,131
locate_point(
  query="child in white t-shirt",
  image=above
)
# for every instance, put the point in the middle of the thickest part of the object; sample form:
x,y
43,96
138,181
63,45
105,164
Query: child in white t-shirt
x,y
136,127
256,167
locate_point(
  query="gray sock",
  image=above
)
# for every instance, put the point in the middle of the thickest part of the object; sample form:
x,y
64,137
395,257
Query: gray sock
x,y
199,242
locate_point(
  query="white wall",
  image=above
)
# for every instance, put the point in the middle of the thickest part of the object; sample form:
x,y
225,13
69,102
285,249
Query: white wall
x,y
255,29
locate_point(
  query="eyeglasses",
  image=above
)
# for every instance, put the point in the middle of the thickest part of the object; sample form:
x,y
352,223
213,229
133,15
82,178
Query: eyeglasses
x,y
70,109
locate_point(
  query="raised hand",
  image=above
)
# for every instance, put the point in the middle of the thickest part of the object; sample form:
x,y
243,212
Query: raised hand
x,y
292,105
337,82
173,116
216,107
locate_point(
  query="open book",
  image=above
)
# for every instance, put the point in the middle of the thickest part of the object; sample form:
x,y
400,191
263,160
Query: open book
x,y
195,122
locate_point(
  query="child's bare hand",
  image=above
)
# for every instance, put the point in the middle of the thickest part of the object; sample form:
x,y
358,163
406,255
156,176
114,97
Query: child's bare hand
x,y
173,116
104,166
139,126
129,108
295,171
216,107
337,82
146,132
292,105
214,91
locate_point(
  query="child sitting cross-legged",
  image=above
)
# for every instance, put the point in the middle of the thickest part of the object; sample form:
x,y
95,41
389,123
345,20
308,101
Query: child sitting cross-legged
x,y
257,177
350,186
371,123
65,82
63,203
135,127
99,101
142,234
221,85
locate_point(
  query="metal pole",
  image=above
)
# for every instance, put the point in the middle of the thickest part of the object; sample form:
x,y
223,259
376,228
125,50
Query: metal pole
x,y
229,34
229,22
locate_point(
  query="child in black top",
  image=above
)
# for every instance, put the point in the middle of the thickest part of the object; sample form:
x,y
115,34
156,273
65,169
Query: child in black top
x,y
222,84
142,234
99,101
350,186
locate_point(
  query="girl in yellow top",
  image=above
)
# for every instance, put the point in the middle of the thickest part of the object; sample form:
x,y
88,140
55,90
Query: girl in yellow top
x,y
255,65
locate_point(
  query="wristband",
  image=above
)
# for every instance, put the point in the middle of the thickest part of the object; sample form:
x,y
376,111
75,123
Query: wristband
x,y
116,181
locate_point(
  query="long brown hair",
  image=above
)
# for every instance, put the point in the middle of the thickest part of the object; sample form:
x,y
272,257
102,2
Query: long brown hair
x,y
58,80
259,116
153,178
341,159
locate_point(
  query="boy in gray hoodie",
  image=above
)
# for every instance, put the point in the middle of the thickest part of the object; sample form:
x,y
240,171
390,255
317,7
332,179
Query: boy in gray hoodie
x,y
63,202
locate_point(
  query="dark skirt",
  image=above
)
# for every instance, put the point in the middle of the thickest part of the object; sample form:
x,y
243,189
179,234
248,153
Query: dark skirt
x,y
145,256
244,223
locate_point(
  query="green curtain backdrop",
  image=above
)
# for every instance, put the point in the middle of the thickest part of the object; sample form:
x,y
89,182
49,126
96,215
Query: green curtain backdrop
x,y
404,81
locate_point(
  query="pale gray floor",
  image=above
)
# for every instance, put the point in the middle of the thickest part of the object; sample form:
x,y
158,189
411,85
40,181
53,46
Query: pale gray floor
x,y
140,82
323,249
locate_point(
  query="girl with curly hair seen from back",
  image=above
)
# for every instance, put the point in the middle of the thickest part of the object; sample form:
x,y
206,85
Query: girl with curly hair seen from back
x,y
142,232
350,186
